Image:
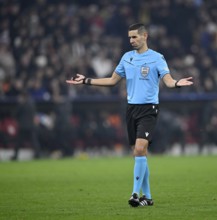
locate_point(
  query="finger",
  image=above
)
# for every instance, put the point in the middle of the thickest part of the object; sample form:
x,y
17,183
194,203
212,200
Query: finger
x,y
76,77
188,83
70,81
189,78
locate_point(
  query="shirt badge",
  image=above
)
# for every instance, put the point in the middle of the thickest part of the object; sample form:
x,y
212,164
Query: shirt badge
x,y
144,70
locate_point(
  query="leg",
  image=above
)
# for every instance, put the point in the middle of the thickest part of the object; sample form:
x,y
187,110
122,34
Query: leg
x,y
146,198
140,152
141,121
141,147
35,143
146,185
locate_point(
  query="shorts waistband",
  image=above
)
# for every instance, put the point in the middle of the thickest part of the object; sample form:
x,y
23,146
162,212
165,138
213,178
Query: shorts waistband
x,y
146,104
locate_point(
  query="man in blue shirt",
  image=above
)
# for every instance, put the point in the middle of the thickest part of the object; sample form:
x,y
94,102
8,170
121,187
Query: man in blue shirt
x,y
143,68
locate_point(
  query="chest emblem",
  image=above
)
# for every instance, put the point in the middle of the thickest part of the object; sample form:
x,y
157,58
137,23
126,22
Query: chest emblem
x,y
144,71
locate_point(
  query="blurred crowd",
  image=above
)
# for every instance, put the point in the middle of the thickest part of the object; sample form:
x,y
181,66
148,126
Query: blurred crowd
x,y
43,43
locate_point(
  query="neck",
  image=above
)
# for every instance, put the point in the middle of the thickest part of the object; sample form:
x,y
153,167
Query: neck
x,y
142,50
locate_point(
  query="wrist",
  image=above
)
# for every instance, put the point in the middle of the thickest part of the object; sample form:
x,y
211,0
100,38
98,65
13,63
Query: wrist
x,y
176,84
86,81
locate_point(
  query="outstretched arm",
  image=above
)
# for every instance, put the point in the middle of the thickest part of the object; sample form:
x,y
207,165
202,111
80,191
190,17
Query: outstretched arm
x,y
81,79
172,83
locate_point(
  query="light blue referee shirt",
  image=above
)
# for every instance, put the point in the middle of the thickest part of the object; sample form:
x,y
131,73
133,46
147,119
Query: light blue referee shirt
x,y
142,73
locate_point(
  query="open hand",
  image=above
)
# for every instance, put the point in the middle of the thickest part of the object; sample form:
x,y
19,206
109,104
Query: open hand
x,y
185,81
78,79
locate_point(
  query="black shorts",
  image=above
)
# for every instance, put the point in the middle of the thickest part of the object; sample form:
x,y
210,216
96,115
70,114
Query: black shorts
x,y
141,121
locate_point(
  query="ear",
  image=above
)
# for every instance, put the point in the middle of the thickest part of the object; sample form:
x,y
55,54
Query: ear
x,y
145,35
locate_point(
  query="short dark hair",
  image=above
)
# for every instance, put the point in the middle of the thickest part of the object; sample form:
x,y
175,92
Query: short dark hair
x,y
137,26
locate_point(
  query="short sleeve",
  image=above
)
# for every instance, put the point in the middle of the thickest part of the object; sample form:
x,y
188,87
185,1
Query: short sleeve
x,y
120,70
162,67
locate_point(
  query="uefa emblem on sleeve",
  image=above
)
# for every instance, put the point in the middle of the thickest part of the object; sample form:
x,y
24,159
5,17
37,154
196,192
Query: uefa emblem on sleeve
x,y
144,71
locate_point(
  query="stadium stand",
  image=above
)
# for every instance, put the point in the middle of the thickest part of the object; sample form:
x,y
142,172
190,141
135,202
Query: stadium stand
x,y
44,42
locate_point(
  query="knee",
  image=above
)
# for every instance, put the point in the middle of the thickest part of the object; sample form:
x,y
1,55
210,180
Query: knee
x,y
140,151
141,147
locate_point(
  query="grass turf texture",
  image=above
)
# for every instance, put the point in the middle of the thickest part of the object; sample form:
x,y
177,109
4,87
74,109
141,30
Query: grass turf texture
x,y
98,189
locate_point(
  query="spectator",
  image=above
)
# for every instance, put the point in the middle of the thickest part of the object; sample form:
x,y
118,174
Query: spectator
x,y
43,42
62,125
25,114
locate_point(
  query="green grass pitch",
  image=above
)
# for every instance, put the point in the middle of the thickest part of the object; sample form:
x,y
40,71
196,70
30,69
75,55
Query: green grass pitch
x,y
99,188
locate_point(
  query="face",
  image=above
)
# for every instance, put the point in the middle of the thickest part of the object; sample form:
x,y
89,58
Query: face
x,y
138,41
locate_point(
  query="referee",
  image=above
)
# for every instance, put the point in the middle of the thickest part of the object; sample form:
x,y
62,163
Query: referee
x,y
143,68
